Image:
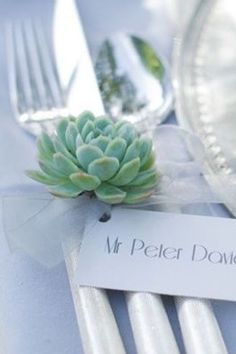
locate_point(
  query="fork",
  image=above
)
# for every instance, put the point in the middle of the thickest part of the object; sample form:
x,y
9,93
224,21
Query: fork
x,y
39,101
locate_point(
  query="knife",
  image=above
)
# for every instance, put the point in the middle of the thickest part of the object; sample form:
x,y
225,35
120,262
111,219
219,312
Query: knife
x,y
98,328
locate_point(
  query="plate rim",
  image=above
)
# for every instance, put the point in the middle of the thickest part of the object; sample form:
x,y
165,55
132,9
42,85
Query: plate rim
x,y
209,167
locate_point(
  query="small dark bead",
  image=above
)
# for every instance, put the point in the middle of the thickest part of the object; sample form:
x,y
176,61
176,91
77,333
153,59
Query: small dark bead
x,y
105,217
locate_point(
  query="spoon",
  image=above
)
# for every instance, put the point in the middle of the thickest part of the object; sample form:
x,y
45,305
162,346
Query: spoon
x,y
135,85
134,81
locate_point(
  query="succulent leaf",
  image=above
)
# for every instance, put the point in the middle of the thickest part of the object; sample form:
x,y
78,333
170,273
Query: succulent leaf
x,y
118,125
132,152
60,147
101,141
42,150
145,149
61,130
104,168
88,153
101,123
127,173
133,197
42,177
127,132
108,130
47,143
149,163
79,141
89,137
144,177
87,128
71,135
65,190
64,164
116,148
110,194
85,181
83,119
50,169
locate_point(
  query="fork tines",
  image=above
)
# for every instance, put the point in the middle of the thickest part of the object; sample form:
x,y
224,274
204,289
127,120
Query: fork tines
x,y
34,81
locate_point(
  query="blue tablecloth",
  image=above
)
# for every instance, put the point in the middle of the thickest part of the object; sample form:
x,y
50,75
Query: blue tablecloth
x,y
36,310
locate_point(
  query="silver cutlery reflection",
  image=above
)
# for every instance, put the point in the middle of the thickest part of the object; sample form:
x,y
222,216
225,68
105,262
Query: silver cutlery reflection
x,y
39,101
134,82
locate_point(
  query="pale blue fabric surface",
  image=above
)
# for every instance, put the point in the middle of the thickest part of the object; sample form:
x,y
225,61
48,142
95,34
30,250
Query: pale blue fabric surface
x,y
36,310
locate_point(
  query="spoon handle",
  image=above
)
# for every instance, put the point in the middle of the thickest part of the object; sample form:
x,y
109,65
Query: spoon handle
x,y
150,324
97,324
199,326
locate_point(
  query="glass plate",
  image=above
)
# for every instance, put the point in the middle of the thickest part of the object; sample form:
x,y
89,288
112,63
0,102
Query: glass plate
x,y
205,84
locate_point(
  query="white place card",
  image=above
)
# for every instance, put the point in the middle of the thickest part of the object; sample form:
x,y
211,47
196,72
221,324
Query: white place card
x,y
158,252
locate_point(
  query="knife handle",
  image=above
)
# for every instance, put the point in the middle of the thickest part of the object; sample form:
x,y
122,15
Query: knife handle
x,y
97,324
150,324
200,330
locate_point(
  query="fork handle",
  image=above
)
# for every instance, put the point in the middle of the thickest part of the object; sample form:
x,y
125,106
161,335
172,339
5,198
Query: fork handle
x,y
97,324
150,324
199,326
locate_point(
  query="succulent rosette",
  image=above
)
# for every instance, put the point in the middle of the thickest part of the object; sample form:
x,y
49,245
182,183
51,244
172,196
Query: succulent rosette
x,y
96,155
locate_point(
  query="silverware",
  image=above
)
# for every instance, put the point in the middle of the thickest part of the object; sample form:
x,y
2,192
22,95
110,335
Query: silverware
x,y
134,81
39,101
199,326
136,86
150,324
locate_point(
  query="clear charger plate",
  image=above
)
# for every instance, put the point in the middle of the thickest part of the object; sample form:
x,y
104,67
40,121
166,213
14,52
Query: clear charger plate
x,y
205,85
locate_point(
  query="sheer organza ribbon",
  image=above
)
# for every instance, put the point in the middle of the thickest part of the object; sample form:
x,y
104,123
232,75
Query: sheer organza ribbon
x,y
49,228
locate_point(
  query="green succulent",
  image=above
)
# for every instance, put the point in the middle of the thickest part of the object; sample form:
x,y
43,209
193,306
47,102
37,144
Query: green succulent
x,y
96,155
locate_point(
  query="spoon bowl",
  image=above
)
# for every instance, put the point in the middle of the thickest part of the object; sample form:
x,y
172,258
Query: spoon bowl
x,y
134,81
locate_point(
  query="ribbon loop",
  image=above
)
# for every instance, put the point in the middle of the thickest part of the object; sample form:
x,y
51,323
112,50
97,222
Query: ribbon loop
x,y
49,228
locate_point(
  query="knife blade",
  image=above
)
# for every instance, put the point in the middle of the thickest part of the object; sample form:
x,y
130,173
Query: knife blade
x,y
98,328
